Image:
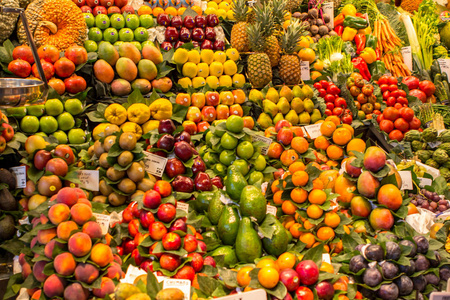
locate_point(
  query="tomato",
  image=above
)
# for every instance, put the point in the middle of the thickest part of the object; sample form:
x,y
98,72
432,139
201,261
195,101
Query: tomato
x,y
330,105
361,98
383,80
427,87
329,98
380,118
347,119
386,95
337,111
317,86
396,135
384,88
340,102
386,125
347,111
322,92
359,82
391,101
415,123
390,113
393,87
402,100
333,89
367,89
395,93
377,112
401,125
328,112
407,114
402,93
355,91
392,80
358,105
324,83
398,105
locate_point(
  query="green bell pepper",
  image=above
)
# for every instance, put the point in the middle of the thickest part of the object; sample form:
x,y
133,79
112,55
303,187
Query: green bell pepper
x,y
371,41
355,22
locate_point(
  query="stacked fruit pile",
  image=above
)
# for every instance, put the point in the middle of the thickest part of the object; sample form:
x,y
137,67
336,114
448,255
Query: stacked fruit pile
x,y
336,105
366,101
429,200
104,6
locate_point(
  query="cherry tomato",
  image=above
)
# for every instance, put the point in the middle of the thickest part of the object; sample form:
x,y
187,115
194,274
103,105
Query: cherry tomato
x,y
393,87
391,101
383,80
402,100
324,83
392,80
401,125
387,126
330,105
377,112
322,93
347,111
317,86
329,98
395,93
390,113
347,119
415,123
398,105
396,135
384,88
340,102
333,89
328,112
407,114
402,93
380,118
386,95
337,111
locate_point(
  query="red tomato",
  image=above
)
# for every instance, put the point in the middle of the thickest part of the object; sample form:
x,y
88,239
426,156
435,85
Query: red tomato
x,y
377,112
402,100
340,102
386,125
393,87
330,105
317,86
396,135
383,80
395,93
322,92
386,95
401,125
391,101
333,89
347,119
347,111
328,112
402,93
390,113
415,123
392,80
384,88
337,111
329,98
380,118
398,105
324,83
407,114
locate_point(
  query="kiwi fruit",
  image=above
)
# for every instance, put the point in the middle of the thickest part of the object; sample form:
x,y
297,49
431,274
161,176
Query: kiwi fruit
x,y
145,184
125,158
111,129
103,161
8,177
136,172
100,199
127,186
127,141
116,200
138,193
109,142
98,148
105,188
114,175
90,151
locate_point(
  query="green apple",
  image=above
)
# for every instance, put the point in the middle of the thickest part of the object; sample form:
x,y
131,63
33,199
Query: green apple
x,y
48,124
40,133
54,107
140,34
102,21
61,136
126,35
17,112
132,21
117,21
137,44
110,35
36,110
77,136
146,21
147,43
66,121
95,34
90,46
73,106
90,20
29,124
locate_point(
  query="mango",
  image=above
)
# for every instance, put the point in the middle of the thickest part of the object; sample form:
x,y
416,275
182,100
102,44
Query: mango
x,y
147,69
140,296
374,159
126,69
170,294
130,51
143,85
368,185
152,53
108,52
103,71
163,84
120,87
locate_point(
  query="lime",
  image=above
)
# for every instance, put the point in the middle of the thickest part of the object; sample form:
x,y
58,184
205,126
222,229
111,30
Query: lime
x,y
228,141
242,166
117,21
61,136
117,44
77,136
95,34
90,20
40,133
220,169
146,21
102,21
147,43
90,46
227,157
132,21
245,150
255,176
202,150
29,124
137,44
260,163
140,34
126,35
110,35
235,124
208,137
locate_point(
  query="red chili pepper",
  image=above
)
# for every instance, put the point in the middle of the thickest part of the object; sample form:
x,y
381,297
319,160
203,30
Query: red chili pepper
x,y
339,29
360,64
378,52
360,40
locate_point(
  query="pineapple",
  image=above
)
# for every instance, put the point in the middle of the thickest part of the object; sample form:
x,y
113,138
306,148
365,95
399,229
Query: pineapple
x,y
259,71
239,39
279,13
265,18
293,5
290,63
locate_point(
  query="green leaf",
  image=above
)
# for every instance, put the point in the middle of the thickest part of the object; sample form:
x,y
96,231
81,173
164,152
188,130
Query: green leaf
x,y
163,69
207,284
229,277
153,286
314,254
179,112
9,47
14,285
267,227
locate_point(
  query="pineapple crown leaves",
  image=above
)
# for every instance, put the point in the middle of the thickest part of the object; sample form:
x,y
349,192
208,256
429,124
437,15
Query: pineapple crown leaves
x,y
291,36
240,10
265,17
255,37
279,11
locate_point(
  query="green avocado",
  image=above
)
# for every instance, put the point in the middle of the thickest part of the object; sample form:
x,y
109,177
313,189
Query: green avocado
x,y
228,225
234,183
201,203
253,203
215,209
228,253
248,243
279,242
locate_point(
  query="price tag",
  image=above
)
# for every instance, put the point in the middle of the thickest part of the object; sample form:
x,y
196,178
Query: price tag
x,y
423,182
183,206
304,70
328,8
154,164
267,141
88,179
326,258
17,268
132,273
103,221
444,64
271,210
183,284
313,131
406,180
440,296
434,144
252,295
264,186
21,176
407,56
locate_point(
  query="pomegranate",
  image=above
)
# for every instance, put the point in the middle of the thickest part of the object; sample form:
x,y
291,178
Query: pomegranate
x,y
57,85
20,67
23,52
48,53
49,70
75,84
64,67
77,54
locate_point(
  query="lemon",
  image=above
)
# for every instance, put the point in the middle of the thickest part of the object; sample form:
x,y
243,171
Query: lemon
x,y
224,5
161,109
221,13
185,82
230,15
232,54
207,56
198,82
225,81
220,56
194,56
303,43
216,68
230,67
238,80
213,82
203,70
212,4
210,11
149,126
132,127
190,70
180,56
116,114
138,113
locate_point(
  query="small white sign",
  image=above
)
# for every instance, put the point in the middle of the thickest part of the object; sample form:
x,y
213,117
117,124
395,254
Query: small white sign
x,y
89,179
260,138
444,64
21,176
304,70
271,210
328,8
313,131
406,180
103,221
326,258
440,296
252,295
132,273
183,284
154,164
407,56
423,182
17,268
183,206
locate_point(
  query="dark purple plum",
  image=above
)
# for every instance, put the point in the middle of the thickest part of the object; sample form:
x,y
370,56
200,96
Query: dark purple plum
x,y
388,291
372,277
393,251
419,283
422,244
407,243
422,263
408,270
444,272
374,252
435,262
431,278
357,263
389,270
404,284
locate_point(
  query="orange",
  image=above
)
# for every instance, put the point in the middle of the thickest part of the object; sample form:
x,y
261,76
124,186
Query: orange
x,y
356,145
317,197
192,229
335,152
326,267
277,198
342,136
307,54
248,289
332,163
268,277
197,9
288,157
171,11
350,128
314,211
243,277
297,166
343,297
332,219
317,184
347,229
181,10
157,11
325,233
299,195
145,10
275,150
288,222
334,119
300,178
288,208
327,128
274,187
267,263
299,144
308,238
412,209
285,174
239,96
286,260
321,143
295,230
341,284
337,247
307,224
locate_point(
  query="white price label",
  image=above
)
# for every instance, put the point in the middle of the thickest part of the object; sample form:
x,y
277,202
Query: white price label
x,y
326,258
271,210
17,268
328,8
154,164
434,144
440,296
252,295
89,179
21,176
131,274
267,141
313,131
183,284
444,64
103,221
183,206
304,69
407,56
406,180
423,182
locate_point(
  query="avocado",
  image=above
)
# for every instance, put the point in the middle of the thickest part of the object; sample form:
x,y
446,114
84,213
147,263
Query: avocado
x,y
248,243
7,229
228,254
279,242
253,203
234,183
8,178
7,201
215,209
228,225
201,203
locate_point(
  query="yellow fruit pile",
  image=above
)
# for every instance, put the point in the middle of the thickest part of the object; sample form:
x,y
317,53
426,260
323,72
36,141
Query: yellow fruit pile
x,y
221,8
207,67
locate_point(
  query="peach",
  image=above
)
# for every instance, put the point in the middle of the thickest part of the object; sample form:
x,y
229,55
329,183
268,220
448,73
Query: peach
x,y
92,229
54,286
65,264
81,213
101,254
76,291
107,287
46,235
374,159
26,270
65,229
38,271
67,196
43,219
390,196
59,213
368,185
381,219
117,259
114,271
33,241
85,201
80,244
48,250
86,273
36,295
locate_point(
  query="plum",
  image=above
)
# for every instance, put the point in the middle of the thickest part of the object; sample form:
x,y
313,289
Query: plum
x,y
357,263
393,251
372,277
404,284
435,262
419,283
411,245
388,291
431,278
422,263
408,270
389,270
369,294
374,252
444,272
422,244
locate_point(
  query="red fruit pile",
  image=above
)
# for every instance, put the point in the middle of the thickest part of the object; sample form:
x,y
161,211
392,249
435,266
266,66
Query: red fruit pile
x,y
109,7
336,105
396,122
392,95
423,90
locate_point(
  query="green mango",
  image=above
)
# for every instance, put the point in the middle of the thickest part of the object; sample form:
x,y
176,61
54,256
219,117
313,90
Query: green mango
x,y
228,253
125,290
279,242
215,209
201,203
248,243
228,225
234,182
253,203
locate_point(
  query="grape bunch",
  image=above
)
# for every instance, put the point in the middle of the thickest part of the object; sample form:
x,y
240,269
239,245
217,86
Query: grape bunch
x,y
418,170
429,200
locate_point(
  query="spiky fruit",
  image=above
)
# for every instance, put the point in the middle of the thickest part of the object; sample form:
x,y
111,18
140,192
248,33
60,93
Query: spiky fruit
x,y
265,18
239,39
259,70
290,63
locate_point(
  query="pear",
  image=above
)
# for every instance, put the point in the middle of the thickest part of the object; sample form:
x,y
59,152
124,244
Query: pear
x,y
304,118
292,117
298,92
307,90
270,107
316,116
297,105
264,121
287,93
309,105
277,118
283,105
255,96
272,95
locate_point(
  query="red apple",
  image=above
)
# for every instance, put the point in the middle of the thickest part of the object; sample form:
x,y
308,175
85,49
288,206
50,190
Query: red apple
x,y
7,132
212,98
41,158
66,153
57,166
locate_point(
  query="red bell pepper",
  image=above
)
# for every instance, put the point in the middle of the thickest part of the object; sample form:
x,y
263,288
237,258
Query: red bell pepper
x,y
360,64
339,29
360,40
360,15
339,20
